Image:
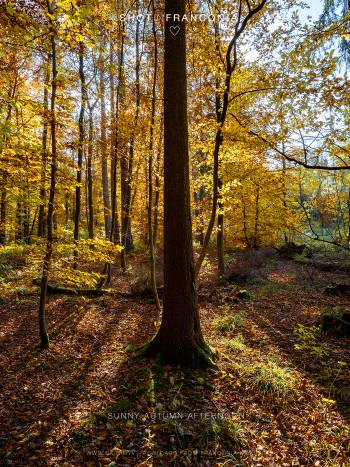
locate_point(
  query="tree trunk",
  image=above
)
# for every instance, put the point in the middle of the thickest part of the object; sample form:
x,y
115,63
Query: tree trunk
x,y
230,67
256,220
220,238
179,339
127,241
150,167
41,218
80,147
2,212
105,188
90,178
157,186
113,151
44,338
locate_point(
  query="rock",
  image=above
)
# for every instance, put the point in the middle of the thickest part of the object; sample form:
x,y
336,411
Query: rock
x,y
337,289
336,321
290,249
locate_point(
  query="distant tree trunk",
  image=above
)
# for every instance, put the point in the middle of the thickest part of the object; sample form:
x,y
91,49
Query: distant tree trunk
x,y
3,173
123,156
115,234
26,210
127,241
157,186
105,188
19,220
230,66
113,153
2,212
220,239
41,217
245,227
179,339
44,338
90,177
284,190
256,220
150,166
80,146
66,209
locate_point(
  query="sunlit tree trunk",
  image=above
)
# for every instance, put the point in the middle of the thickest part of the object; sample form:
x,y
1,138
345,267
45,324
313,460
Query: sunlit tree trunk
x,y
179,339
44,338
113,153
2,212
41,217
103,146
80,146
150,167
220,238
90,193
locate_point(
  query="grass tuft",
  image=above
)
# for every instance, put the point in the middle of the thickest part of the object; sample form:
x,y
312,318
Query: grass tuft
x,y
226,324
272,380
236,343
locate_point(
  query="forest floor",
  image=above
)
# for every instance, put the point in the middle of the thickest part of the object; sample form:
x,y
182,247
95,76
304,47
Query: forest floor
x,y
279,397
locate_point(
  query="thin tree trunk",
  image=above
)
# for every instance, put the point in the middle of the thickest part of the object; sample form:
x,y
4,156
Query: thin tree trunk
x,y
90,177
113,154
123,156
105,187
114,234
256,220
230,66
44,338
3,173
41,217
80,147
127,240
2,213
245,228
157,186
150,167
220,239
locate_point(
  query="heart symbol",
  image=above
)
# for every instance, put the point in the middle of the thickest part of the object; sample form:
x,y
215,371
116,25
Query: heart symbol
x,y
174,30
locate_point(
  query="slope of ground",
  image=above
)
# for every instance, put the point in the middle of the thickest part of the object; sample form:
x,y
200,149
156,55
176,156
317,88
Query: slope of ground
x,y
279,397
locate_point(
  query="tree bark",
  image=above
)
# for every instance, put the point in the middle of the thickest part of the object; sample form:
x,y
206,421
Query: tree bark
x,y
220,238
150,166
113,151
179,339
44,338
80,147
90,177
2,212
103,145
41,217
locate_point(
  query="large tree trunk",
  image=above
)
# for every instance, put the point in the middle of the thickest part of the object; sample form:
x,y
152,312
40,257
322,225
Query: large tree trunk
x,y
44,338
179,339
